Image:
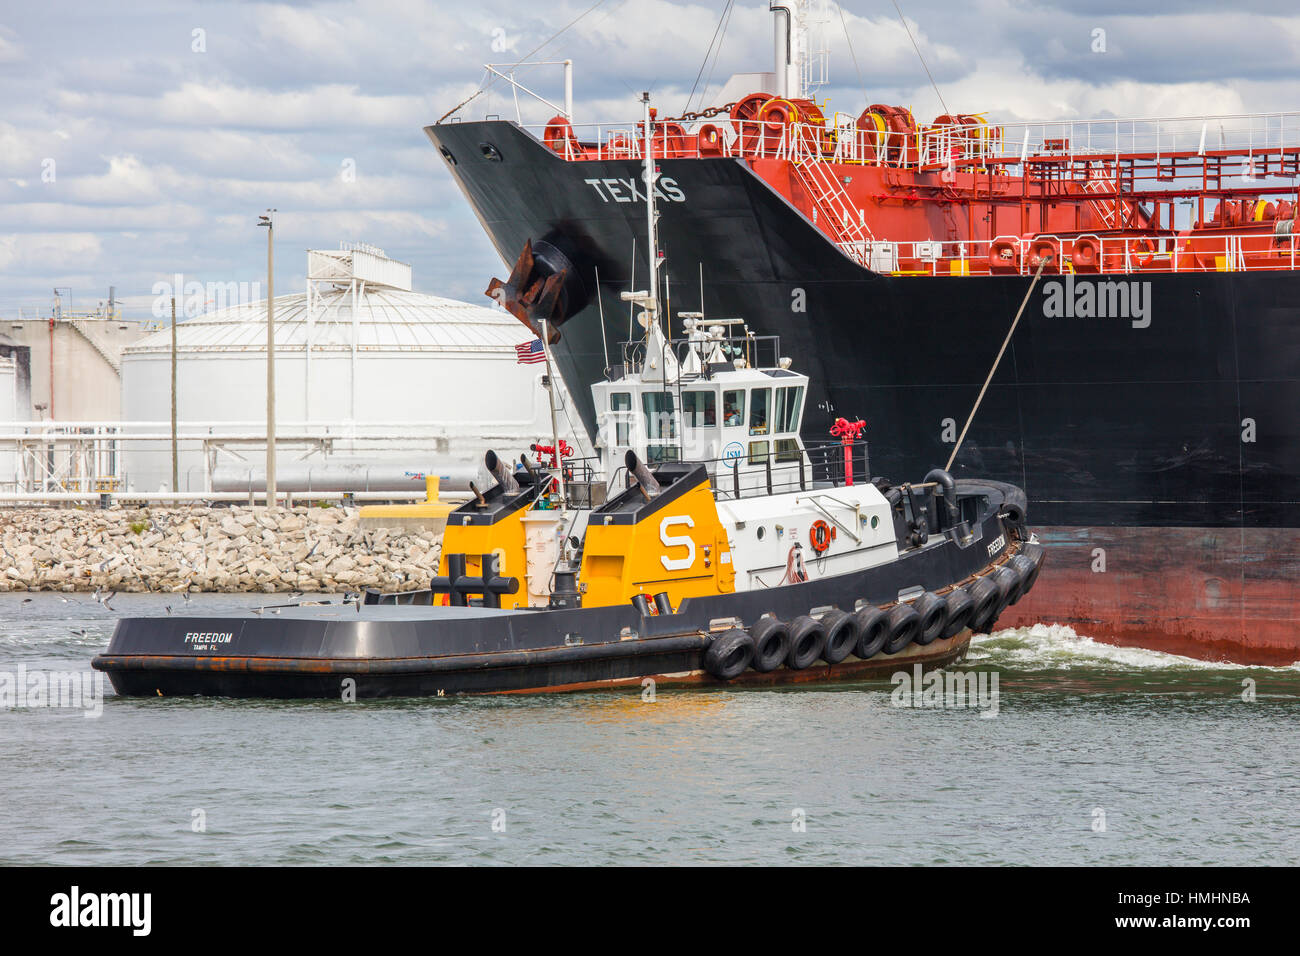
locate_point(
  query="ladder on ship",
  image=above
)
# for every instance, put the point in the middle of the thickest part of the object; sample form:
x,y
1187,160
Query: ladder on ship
x,y
1110,208
844,220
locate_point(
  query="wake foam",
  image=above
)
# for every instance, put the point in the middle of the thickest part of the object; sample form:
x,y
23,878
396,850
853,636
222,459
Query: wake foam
x,y
1059,647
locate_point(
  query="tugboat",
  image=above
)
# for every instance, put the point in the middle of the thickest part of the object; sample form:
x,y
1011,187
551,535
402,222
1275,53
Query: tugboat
x,y
700,548
705,545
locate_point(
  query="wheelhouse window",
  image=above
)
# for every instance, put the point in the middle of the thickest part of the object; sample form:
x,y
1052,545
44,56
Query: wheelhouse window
x,y
788,406
760,400
699,409
733,407
758,452
620,403
660,420
787,449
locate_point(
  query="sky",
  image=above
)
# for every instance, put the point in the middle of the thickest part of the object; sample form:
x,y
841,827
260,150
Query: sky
x,y
140,139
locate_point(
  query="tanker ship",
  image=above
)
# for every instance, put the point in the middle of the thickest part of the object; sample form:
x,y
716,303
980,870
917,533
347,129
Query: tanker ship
x,y
1144,403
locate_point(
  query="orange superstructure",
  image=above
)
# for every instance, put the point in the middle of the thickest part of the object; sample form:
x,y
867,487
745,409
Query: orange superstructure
x,y
961,196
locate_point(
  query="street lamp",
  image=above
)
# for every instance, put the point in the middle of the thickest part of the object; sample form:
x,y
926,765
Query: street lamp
x,y
268,222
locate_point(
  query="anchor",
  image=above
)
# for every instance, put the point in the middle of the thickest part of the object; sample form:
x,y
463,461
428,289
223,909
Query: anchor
x,y
538,289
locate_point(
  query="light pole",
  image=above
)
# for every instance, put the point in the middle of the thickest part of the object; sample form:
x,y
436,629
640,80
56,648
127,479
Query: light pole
x,y
268,222
175,462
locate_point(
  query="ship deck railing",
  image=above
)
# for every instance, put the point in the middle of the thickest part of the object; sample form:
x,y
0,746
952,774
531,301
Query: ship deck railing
x,y
757,351
748,475
1249,136
1253,248
1137,176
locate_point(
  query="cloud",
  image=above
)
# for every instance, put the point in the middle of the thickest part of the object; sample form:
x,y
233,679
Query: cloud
x,y
53,252
10,50
165,155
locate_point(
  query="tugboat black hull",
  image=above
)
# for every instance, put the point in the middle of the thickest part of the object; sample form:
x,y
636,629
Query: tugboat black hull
x,y
669,662
333,651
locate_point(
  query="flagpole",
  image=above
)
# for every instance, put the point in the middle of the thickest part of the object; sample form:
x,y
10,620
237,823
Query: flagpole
x,y
555,428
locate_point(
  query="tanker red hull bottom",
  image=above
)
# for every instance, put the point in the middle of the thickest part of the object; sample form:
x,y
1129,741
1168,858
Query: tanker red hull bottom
x,y
1220,594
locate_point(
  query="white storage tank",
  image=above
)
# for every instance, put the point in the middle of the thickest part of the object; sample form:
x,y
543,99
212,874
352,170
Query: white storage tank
x,y
365,371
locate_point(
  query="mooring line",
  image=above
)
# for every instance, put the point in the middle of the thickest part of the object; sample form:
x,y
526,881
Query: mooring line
x,y
1042,264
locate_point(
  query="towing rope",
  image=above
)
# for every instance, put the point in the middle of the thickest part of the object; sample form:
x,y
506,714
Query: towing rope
x,y
1042,264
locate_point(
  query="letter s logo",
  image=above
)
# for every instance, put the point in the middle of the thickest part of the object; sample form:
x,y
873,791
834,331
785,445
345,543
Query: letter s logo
x,y
677,541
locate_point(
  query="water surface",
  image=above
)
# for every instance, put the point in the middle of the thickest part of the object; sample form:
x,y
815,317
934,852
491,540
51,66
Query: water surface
x,y
1096,755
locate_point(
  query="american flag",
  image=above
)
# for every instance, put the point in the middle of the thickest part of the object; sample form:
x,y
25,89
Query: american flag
x,y
529,353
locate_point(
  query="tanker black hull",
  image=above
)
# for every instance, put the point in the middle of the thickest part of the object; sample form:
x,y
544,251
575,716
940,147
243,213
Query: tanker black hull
x,y
1177,416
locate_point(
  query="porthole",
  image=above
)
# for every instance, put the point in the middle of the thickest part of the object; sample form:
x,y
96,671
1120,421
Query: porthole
x,y
490,152
761,531
875,520
447,155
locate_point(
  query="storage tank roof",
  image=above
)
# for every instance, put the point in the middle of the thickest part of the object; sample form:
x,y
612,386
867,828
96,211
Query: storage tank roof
x,y
385,318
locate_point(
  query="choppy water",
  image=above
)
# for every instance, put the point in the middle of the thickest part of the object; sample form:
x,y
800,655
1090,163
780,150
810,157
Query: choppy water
x,y
1183,769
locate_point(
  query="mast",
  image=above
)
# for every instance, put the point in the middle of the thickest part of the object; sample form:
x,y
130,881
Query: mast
x,y
652,242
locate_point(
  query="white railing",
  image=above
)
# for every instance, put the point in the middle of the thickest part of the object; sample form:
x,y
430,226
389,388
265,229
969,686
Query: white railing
x,y
55,499
1248,133
1005,144
88,457
1220,252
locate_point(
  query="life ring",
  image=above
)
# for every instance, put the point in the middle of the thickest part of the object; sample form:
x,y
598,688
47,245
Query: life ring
x,y
807,641
841,636
771,643
821,535
729,654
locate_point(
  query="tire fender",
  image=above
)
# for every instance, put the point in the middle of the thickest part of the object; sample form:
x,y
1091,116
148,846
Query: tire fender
x,y
873,631
841,636
771,643
729,654
934,614
904,625
807,641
